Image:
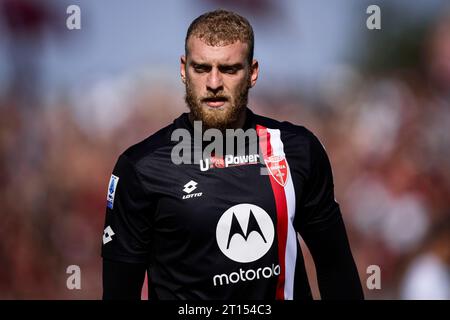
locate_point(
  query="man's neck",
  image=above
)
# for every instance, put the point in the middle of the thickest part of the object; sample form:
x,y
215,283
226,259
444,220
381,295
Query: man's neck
x,y
238,124
241,119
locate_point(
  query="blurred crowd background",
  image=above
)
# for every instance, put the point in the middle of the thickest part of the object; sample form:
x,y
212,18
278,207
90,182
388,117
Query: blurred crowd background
x,y
72,100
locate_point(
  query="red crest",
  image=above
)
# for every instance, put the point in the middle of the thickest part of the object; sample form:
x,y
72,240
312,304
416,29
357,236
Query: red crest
x,y
277,167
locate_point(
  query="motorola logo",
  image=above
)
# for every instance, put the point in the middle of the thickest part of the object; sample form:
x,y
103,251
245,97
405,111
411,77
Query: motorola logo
x,y
245,232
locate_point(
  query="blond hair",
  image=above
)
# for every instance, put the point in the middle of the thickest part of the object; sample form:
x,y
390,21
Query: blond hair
x,y
220,28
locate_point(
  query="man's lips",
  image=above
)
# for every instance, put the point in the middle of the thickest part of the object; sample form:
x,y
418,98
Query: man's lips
x,y
215,102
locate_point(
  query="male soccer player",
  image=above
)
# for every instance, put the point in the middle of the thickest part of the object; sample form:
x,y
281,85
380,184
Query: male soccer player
x,y
225,226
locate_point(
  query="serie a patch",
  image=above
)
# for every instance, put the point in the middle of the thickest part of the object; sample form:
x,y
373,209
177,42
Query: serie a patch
x,y
111,191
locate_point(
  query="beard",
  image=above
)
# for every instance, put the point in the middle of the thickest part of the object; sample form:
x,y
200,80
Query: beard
x,y
218,118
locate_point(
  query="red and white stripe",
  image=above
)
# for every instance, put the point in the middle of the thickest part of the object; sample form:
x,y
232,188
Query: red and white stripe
x,y
271,145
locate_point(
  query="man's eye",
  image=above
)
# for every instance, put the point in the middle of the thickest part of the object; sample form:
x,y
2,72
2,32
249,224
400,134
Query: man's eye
x,y
229,70
200,69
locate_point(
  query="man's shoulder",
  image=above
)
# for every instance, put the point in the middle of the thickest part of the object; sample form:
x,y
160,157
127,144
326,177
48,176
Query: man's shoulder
x,y
295,137
286,127
147,147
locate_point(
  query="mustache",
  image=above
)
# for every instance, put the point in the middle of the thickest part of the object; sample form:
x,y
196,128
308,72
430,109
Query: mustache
x,y
216,97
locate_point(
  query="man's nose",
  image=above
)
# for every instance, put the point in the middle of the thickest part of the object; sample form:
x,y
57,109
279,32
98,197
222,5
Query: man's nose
x,y
214,81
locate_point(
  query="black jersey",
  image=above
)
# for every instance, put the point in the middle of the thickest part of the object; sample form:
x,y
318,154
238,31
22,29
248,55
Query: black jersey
x,y
224,227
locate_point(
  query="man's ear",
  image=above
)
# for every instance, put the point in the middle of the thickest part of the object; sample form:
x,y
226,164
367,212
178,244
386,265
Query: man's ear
x,y
183,68
254,70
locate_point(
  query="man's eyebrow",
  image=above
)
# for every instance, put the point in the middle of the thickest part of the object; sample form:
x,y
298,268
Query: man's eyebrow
x,y
237,65
199,64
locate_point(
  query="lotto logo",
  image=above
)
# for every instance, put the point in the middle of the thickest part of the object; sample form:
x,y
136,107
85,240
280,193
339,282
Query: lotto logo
x,y
190,186
107,234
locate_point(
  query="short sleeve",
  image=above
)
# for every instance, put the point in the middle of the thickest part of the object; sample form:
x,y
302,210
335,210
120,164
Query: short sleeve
x,y
127,230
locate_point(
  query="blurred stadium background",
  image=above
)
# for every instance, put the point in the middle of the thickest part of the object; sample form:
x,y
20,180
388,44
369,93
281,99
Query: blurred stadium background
x,y
72,100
